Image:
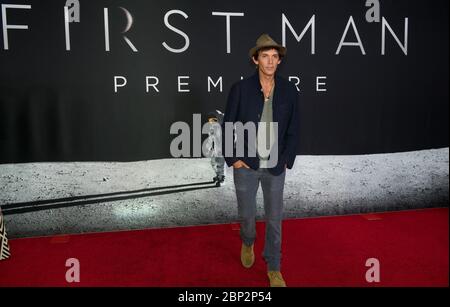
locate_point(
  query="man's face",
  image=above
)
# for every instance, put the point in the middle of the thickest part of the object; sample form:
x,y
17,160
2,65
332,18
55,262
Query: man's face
x,y
268,61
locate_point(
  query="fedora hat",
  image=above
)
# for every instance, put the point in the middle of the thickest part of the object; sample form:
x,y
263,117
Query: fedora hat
x,y
266,41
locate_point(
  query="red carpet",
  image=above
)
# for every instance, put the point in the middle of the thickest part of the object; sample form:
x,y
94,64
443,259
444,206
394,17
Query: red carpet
x,y
411,246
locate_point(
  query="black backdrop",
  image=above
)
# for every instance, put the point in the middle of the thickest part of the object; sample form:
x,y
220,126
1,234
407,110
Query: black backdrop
x,y
59,105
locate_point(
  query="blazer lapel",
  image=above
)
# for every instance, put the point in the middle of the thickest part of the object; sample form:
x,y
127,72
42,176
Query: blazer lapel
x,y
276,99
259,97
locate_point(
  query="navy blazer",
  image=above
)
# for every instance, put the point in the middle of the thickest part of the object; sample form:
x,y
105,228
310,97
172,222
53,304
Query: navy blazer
x,y
245,104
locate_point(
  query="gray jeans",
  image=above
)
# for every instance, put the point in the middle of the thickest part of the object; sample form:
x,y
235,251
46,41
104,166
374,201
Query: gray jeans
x,y
246,182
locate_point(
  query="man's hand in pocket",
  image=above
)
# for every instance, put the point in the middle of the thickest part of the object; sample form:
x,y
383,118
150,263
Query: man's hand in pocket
x,y
239,164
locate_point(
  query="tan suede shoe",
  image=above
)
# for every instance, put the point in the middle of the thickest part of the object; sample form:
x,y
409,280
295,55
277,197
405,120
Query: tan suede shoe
x,y
247,256
276,279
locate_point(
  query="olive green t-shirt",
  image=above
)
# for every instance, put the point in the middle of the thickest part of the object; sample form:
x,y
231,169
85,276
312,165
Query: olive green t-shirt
x,y
266,135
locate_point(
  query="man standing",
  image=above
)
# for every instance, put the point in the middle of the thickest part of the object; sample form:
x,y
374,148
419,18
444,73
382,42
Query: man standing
x,y
268,101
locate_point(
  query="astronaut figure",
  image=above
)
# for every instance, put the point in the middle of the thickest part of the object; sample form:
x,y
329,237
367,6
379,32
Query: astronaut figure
x,y
214,151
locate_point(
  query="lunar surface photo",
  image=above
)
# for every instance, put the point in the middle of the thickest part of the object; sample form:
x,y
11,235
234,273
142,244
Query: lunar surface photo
x,y
81,197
